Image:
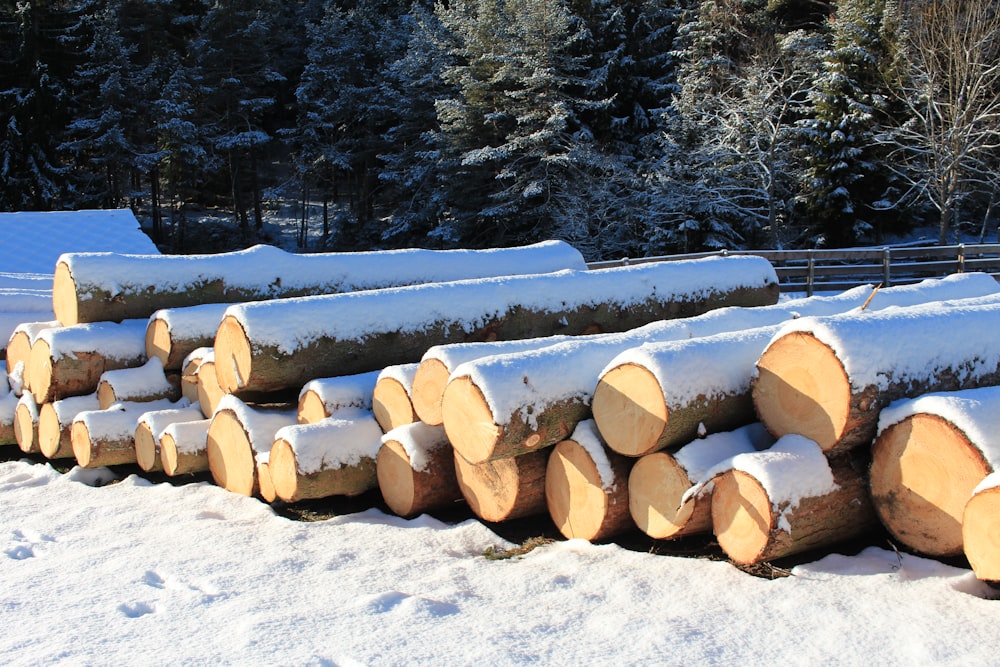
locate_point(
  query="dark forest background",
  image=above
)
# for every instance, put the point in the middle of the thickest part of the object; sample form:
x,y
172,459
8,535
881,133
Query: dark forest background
x,y
626,127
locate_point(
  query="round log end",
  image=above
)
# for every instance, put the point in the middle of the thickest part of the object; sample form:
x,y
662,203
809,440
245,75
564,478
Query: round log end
x,y
429,383
655,488
39,371
468,420
80,437
311,408
629,410
574,492
503,489
146,450
158,341
105,395
267,491
168,454
64,297
49,430
922,473
209,391
801,387
284,469
232,355
741,516
391,404
981,534
25,429
395,478
230,455
19,352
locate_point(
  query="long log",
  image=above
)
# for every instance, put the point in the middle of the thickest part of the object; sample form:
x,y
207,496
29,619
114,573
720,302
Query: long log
x,y
286,342
184,447
333,457
586,487
107,437
827,378
92,287
788,500
69,361
189,372
981,529
391,403
504,489
237,434
415,467
19,352
26,423
930,454
324,397
55,424
174,333
149,427
148,382
660,485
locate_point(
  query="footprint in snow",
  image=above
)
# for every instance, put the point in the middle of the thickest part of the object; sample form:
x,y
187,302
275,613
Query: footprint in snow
x,y
20,552
390,600
29,539
136,609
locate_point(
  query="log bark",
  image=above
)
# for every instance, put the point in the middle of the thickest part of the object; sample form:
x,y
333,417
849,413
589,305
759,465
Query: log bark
x,y
665,500
92,287
69,361
828,378
143,383
55,424
981,529
586,487
189,372
771,506
351,333
504,489
184,447
236,435
391,403
150,426
324,397
415,467
26,424
333,457
107,437
174,333
19,352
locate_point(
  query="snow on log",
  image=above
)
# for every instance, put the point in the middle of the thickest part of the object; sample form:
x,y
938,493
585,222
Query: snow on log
x,y
148,382
184,447
107,437
391,402
586,486
332,457
930,454
26,423
438,363
55,424
69,361
19,352
8,406
91,287
286,342
174,333
786,500
189,372
415,467
504,489
149,427
237,434
981,529
660,485
324,397
827,378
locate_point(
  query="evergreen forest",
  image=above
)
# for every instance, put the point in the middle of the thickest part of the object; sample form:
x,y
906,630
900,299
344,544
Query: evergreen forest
x,y
626,127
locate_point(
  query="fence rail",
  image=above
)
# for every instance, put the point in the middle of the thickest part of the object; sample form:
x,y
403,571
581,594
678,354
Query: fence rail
x,y
812,271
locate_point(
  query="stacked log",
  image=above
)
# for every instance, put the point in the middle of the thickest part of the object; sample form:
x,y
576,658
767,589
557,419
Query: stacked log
x,y
150,426
107,437
981,529
504,489
271,345
19,352
391,403
92,287
148,382
189,372
184,447
324,397
26,423
209,393
415,468
237,435
55,424
172,334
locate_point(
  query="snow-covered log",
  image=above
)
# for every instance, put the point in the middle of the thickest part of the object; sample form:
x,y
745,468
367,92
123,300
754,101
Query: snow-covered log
x,y
55,424
107,437
332,457
827,378
286,342
189,372
586,486
26,423
184,447
69,361
324,397
786,500
930,454
91,287
174,333
150,425
391,401
19,352
659,482
415,467
504,489
981,529
237,434
148,382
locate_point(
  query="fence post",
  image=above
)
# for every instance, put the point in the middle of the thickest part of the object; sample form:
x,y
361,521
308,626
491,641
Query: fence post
x,y
886,267
810,275
961,258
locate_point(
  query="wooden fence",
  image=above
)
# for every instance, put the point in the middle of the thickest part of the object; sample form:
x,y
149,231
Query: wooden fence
x,y
812,271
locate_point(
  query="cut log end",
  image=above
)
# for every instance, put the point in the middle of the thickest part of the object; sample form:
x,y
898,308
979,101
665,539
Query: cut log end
x,y
391,404
429,383
64,297
656,486
741,516
981,534
504,489
802,388
25,429
147,453
311,408
80,437
395,478
19,353
267,491
468,420
105,395
629,410
284,470
923,471
158,341
575,494
230,454
232,355
209,391
39,371
51,442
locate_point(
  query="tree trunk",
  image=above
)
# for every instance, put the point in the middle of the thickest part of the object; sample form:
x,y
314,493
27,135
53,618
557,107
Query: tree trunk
x,y
415,467
174,333
142,383
26,424
95,287
107,437
981,529
19,352
333,457
504,489
586,487
237,434
184,447
353,333
324,397
55,424
150,426
391,402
